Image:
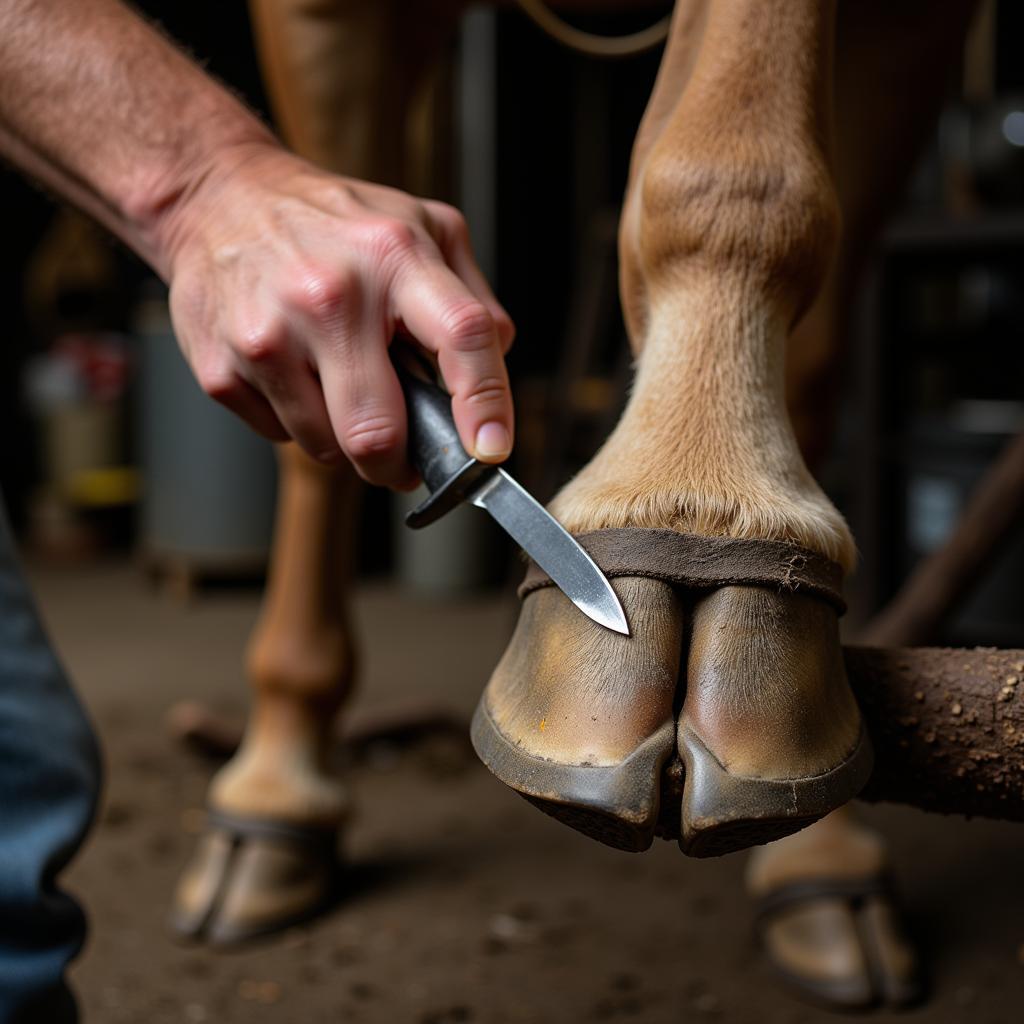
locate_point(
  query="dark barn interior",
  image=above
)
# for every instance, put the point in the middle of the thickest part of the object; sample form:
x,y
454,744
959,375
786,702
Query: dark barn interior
x,y
145,515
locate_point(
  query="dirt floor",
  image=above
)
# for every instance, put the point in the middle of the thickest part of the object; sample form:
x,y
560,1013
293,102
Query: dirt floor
x,y
465,904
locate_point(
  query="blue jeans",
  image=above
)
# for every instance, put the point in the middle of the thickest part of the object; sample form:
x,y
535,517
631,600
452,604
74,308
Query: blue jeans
x,y
49,782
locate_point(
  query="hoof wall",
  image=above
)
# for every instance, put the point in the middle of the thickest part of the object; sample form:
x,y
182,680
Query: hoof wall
x,y
248,879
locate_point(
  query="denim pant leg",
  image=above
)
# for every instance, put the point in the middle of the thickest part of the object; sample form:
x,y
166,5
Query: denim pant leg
x,y
49,783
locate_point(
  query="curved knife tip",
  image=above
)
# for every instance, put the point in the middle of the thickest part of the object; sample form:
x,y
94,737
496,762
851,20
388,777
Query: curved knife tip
x,y
615,621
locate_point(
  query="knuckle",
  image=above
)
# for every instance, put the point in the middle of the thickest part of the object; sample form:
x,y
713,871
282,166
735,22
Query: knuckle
x,y
326,291
338,191
451,220
391,239
371,437
470,326
263,342
486,391
328,456
506,330
219,383
317,443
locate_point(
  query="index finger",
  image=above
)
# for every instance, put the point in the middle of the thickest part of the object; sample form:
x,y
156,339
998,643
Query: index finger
x,y
442,313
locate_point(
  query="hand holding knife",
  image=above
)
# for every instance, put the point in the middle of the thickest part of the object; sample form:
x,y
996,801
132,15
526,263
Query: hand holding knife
x,y
452,476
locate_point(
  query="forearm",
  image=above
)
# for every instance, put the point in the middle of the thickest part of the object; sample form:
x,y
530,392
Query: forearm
x,y
101,108
287,284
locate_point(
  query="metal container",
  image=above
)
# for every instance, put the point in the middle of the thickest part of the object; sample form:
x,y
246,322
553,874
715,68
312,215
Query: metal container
x,y
462,553
209,482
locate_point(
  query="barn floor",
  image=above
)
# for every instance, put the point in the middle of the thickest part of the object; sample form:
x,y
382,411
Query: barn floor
x,y
466,904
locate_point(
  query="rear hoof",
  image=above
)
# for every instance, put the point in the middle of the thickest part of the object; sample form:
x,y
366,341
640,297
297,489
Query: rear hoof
x,y
250,878
841,943
579,720
770,734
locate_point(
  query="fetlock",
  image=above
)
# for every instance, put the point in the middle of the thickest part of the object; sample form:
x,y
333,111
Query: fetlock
x,y
690,501
736,473
281,770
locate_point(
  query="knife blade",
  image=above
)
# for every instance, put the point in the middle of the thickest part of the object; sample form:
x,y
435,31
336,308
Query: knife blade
x,y
452,476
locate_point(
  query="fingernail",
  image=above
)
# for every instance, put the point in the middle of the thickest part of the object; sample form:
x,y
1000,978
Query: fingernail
x,y
492,441
331,458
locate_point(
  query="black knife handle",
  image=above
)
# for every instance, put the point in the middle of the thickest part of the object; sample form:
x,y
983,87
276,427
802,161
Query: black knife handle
x,y
448,470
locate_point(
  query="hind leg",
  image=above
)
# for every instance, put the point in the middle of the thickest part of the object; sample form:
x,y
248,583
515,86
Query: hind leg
x,y
342,76
268,855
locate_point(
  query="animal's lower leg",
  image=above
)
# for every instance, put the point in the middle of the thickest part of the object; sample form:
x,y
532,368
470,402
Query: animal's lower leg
x,y
301,658
268,855
729,227
829,919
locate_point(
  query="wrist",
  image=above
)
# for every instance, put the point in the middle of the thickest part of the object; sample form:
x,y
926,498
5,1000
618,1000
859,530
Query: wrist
x,y
166,210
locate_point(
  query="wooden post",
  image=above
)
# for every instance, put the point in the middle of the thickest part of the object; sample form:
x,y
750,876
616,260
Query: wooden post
x,y
941,581
947,727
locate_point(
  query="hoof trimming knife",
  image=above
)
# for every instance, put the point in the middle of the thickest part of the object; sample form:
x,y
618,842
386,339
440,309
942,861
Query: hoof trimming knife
x,y
453,477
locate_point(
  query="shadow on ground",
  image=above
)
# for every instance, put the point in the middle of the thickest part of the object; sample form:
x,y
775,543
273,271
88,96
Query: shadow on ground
x,y
465,904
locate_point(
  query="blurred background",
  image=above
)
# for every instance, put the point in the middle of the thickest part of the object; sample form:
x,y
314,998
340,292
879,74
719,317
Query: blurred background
x,y
146,515
117,454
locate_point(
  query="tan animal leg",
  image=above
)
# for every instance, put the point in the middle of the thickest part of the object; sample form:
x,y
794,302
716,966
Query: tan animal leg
x,y
836,934
268,855
729,227
342,76
301,660
730,223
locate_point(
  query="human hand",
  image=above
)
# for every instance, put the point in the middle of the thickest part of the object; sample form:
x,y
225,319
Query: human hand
x,y
287,287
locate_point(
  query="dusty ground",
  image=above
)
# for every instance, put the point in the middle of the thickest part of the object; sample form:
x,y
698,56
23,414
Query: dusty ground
x,y
466,904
